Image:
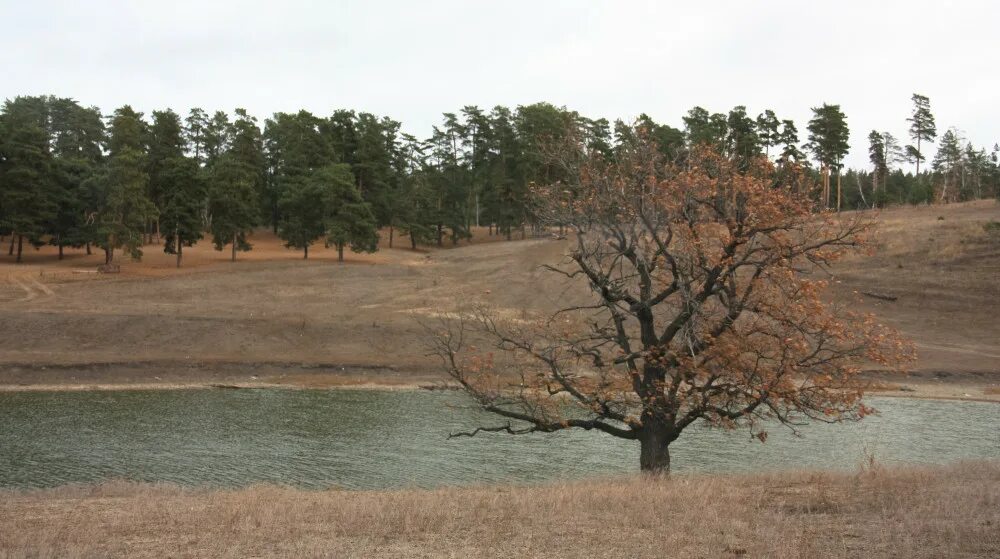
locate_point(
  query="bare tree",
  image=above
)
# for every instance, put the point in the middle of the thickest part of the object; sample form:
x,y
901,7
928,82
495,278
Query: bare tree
x,y
703,305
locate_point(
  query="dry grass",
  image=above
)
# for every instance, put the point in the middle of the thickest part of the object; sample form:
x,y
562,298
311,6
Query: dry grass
x,y
942,512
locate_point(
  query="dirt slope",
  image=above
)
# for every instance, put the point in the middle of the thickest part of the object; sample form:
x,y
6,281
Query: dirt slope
x,y
273,317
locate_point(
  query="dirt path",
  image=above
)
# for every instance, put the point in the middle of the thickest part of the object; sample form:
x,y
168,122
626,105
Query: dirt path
x,y
31,287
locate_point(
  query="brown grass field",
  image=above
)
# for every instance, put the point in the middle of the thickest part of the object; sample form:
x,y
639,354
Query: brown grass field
x,y
273,319
949,512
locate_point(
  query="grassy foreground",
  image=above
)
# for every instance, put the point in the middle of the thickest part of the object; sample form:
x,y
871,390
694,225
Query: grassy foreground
x,y
951,511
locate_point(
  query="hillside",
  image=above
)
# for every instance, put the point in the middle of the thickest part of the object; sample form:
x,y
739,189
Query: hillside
x,y
272,317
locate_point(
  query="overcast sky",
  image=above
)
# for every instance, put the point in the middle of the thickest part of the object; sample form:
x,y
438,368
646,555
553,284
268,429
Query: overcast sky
x,y
414,60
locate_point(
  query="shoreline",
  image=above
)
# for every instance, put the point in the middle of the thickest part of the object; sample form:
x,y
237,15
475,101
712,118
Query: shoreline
x,y
407,387
100,387
286,375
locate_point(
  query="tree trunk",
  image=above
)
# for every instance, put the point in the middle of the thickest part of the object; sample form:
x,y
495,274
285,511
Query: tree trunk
x,y
838,190
392,230
413,240
20,247
305,254
508,232
60,252
340,252
234,248
88,249
13,237
440,235
654,452
109,253
826,201
180,250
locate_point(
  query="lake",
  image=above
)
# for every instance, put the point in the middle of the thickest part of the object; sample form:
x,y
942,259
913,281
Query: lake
x,y
372,439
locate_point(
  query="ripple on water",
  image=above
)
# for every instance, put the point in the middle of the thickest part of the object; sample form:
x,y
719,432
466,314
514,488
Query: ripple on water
x,y
382,439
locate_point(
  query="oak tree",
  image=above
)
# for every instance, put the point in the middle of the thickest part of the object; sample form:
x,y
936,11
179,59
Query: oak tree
x,y
704,305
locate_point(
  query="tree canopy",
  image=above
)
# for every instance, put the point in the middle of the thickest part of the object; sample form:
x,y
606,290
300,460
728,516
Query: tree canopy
x,y
74,179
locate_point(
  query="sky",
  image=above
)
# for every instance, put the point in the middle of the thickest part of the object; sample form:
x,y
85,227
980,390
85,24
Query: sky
x,y
413,61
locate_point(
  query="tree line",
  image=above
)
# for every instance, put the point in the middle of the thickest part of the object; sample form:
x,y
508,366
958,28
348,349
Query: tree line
x,y
73,177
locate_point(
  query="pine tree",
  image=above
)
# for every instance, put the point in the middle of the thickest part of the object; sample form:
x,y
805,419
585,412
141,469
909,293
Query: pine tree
x,y
598,133
177,186
507,198
994,170
742,141
948,161
789,139
302,209
78,138
349,219
216,137
294,146
876,154
418,220
828,140
449,180
373,165
976,164
165,147
669,141
232,203
922,128
894,152
237,183
767,131
703,128
194,133
183,201
121,187
540,127
28,195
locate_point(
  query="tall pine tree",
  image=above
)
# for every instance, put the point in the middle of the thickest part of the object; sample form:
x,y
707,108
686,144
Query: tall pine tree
x,y
922,128
828,140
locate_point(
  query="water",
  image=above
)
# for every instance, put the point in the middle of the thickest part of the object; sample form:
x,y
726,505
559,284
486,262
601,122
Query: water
x,y
382,439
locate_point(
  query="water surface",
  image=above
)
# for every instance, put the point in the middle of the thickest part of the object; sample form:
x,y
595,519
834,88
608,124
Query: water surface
x,y
383,439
